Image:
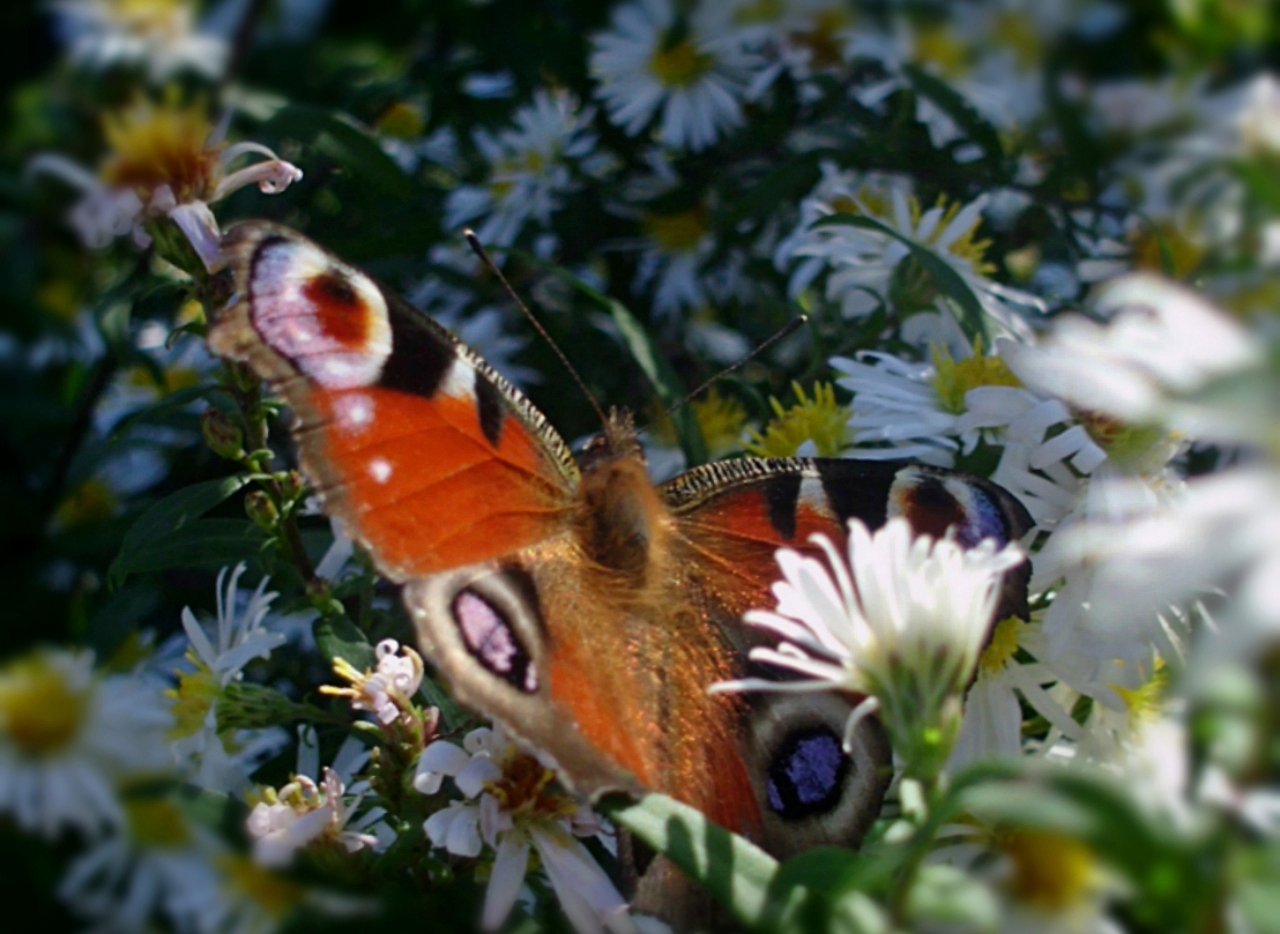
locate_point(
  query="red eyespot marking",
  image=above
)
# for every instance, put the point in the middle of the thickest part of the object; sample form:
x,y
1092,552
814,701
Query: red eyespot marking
x,y
929,506
340,313
425,486
330,323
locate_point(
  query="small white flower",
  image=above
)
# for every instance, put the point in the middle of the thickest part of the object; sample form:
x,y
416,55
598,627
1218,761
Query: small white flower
x,y
697,82
510,809
900,619
240,635
166,161
301,812
69,737
158,34
529,169
387,691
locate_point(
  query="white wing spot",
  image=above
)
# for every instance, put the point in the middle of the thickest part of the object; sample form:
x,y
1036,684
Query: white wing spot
x,y
380,469
354,411
460,381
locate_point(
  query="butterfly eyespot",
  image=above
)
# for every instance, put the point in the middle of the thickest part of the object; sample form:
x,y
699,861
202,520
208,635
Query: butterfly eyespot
x,y
807,774
491,639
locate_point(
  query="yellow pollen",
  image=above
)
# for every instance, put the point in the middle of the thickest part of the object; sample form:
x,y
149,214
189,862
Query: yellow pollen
x,y
154,822
954,378
677,233
1050,870
39,711
276,894
1143,702
161,144
195,695
524,788
819,420
90,502
1125,444
1003,645
964,246
680,65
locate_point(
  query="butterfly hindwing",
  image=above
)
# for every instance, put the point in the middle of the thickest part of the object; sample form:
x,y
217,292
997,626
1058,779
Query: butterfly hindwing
x,y
731,517
429,456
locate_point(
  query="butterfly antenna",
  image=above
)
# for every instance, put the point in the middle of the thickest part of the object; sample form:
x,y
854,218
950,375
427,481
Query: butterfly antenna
x,y
474,242
784,332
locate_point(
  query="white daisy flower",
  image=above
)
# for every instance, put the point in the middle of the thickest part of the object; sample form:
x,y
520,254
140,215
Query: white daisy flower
x,y
859,263
693,69
676,247
166,160
512,807
388,690
800,38
303,812
69,737
213,661
158,34
917,409
161,863
901,619
529,169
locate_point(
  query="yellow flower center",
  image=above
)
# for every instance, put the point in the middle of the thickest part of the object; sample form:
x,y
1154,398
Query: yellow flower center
x,y
680,65
1143,702
937,45
1003,645
720,417
1129,445
1153,245
758,11
90,502
195,695
954,378
963,247
275,894
1015,31
161,144
676,233
403,120
1050,870
155,822
823,37
165,17
39,711
525,789
819,420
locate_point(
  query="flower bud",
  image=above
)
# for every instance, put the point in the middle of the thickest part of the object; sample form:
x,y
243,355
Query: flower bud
x,y
222,435
259,507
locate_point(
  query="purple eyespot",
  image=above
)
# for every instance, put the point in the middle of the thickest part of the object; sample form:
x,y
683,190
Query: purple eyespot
x,y
492,641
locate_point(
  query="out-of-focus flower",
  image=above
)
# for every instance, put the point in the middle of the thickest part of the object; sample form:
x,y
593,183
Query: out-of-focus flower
x,y
917,408
303,812
676,246
529,168
901,619
166,160
811,427
801,38
693,67
158,34
513,806
721,420
160,863
69,737
387,691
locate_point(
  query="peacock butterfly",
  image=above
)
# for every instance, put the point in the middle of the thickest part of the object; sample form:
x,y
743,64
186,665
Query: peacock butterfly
x,y
571,600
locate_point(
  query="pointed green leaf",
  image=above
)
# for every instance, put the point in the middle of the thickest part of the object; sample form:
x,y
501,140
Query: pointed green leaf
x,y
145,542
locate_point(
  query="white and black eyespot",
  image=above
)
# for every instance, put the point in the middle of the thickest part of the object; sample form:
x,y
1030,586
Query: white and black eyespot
x,y
486,617
810,790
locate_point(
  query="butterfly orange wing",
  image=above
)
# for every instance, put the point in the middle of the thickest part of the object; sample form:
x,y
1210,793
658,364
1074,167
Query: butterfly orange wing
x,y
431,459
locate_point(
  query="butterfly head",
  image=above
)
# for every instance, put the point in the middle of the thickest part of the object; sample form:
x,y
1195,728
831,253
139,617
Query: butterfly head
x,y
618,441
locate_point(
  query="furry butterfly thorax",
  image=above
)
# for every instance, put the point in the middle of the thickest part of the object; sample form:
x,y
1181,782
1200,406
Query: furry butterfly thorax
x,y
569,599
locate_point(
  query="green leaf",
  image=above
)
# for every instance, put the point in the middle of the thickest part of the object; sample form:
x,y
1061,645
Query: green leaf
x,y
947,896
1027,804
735,871
975,126
203,543
972,318
338,637
248,706
337,137
148,538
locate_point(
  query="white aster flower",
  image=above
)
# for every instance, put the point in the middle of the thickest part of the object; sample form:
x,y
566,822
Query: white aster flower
x,y
696,77
1163,342
388,690
800,38
161,863
158,34
859,262
677,245
69,737
917,409
529,168
166,160
901,619
512,807
303,812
